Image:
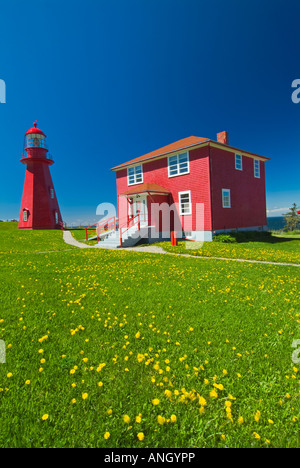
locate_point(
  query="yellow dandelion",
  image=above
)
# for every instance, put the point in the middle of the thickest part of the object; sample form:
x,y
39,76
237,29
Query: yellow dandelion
x,y
202,401
257,416
161,420
155,402
141,436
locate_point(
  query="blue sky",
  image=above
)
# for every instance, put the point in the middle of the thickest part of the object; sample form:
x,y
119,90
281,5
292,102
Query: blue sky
x,y
111,80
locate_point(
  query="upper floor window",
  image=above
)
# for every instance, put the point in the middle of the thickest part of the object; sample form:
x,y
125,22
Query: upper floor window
x,y
257,168
239,162
178,164
51,193
226,199
135,175
25,215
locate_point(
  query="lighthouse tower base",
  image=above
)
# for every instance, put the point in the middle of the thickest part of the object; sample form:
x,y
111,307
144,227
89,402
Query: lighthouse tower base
x,y
39,207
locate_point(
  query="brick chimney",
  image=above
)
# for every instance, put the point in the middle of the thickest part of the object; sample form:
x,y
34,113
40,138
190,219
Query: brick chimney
x,y
222,138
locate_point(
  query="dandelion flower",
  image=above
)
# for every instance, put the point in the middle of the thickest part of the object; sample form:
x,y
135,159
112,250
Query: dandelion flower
x,y
257,416
155,402
141,436
106,435
173,418
84,396
202,401
126,419
45,417
161,420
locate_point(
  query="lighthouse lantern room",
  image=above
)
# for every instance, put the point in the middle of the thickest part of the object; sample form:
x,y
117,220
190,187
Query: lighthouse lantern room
x,y
39,207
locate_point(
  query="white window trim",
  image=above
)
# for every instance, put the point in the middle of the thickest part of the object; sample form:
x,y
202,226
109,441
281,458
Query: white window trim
x,y
254,162
142,174
25,216
223,191
188,164
239,168
190,202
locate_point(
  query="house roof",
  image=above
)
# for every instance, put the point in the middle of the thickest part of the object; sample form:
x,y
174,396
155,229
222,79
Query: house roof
x,y
176,146
182,144
142,188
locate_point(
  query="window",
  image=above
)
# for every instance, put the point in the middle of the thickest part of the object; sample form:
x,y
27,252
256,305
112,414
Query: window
x,y
178,164
25,215
51,193
226,198
238,162
56,217
257,168
185,206
135,175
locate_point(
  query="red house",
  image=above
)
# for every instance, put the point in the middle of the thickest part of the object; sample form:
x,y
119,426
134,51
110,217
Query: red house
x,y
194,186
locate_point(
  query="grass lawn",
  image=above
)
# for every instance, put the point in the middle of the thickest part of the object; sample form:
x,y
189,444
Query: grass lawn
x,y
13,240
108,348
277,249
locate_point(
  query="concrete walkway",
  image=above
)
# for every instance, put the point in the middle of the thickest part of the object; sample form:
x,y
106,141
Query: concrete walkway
x,y
69,239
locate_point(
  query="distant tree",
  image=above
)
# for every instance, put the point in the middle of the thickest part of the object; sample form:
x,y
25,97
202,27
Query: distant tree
x,y
292,219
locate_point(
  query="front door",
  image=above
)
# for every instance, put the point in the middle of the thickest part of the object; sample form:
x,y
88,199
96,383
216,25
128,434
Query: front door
x,y
139,206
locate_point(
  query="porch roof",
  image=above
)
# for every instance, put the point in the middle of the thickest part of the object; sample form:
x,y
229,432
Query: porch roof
x,y
146,188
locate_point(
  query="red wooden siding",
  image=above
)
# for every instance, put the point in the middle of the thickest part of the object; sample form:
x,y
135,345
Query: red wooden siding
x,y
248,195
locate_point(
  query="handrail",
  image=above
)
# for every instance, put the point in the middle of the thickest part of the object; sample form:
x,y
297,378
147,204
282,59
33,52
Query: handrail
x,y
128,227
107,225
86,230
103,227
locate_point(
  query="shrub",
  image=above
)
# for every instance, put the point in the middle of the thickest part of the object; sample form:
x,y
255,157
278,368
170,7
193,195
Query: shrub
x,y
224,238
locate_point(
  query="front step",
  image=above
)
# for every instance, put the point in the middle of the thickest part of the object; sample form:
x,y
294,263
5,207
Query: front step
x,y
130,238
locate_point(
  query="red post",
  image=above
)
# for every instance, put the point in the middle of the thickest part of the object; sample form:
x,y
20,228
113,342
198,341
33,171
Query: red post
x,y
173,238
86,234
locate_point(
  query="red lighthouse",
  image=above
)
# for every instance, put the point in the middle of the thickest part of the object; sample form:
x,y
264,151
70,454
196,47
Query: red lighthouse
x,y
39,208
